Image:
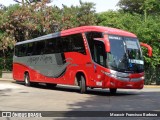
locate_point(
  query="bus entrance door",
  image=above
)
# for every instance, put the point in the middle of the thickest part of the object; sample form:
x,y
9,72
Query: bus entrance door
x,y
99,59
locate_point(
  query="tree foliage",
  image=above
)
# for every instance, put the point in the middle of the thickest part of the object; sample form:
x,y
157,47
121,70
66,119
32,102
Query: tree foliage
x,y
33,20
131,6
140,6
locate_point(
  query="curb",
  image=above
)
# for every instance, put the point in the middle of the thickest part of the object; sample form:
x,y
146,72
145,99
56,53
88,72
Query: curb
x,y
151,86
6,79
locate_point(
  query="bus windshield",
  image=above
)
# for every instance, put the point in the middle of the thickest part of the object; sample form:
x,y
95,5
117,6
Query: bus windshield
x,y
125,55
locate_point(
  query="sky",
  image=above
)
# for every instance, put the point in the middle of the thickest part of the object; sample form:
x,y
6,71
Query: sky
x,y
101,5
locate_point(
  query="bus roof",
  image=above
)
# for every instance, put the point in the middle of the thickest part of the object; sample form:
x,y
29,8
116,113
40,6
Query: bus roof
x,y
108,30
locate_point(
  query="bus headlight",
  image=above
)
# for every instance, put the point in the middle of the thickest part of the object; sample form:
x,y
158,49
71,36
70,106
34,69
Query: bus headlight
x,y
118,75
137,79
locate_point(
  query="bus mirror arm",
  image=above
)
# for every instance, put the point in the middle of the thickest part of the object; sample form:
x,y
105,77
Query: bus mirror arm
x,y
107,45
148,47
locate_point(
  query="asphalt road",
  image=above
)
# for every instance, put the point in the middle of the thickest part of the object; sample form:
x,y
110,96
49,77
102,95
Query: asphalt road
x,y
17,97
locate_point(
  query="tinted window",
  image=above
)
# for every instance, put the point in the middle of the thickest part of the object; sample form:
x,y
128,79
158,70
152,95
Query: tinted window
x,y
39,48
78,44
73,43
67,41
20,50
59,46
50,46
30,48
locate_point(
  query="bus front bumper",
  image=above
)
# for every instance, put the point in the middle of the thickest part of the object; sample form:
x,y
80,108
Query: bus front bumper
x,y
114,83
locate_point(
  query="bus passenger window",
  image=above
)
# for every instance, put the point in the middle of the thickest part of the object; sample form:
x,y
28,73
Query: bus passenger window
x,y
30,49
78,44
16,51
21,50
50,46
59,46
39,48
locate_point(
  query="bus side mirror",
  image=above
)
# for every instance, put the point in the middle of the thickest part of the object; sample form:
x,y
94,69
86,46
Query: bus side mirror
x,y
148,47
106,43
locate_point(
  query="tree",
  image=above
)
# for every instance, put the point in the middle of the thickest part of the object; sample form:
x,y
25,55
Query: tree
x,y
29,21
131,6
30,1
140,6
7,41
76,16
150,7
33,20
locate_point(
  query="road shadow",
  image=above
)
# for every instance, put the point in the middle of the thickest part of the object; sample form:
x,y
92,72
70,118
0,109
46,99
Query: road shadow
x,y
5,92
145,101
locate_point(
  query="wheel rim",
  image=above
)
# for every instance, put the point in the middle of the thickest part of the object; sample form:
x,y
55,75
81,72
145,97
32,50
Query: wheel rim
x,y
82,85
26,80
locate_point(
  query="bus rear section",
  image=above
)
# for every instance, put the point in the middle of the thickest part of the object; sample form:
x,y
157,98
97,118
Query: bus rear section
x,y
89,57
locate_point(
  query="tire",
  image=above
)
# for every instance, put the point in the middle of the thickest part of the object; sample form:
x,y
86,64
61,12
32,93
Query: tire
x,y
49,85
83,87
113,90
27,79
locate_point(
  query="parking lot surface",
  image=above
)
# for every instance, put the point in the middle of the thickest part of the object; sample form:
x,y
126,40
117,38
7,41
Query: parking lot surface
x,y
17,97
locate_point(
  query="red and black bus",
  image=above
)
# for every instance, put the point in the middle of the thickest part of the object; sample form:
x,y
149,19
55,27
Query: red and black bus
x,y
87,56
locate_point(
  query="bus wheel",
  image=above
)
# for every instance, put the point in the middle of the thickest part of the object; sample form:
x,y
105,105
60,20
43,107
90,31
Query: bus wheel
x,y
49,85
83,87
27,79
113,90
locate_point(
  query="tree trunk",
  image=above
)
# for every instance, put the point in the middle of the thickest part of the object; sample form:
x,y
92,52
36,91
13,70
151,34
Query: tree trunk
x,y
4,60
